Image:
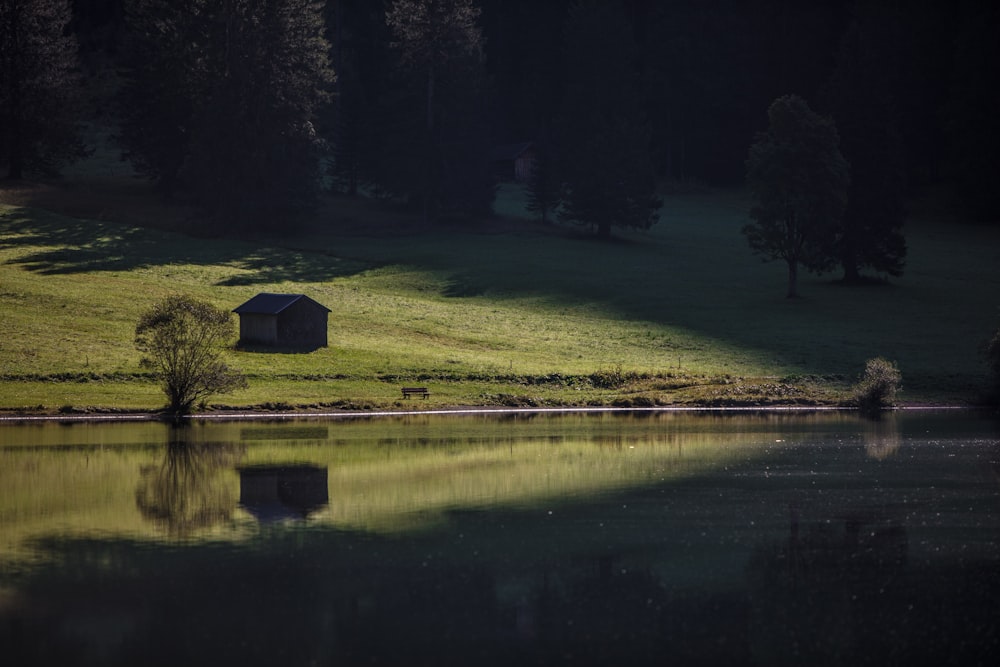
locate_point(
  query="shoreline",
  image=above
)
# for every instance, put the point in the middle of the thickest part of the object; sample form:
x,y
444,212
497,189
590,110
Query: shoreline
x,y
237,415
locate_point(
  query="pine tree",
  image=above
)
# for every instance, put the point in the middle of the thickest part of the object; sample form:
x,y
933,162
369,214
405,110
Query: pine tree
x,y
871,234
445,163
543,182
360,39
39,87
604,140
973,110
161,86
223,99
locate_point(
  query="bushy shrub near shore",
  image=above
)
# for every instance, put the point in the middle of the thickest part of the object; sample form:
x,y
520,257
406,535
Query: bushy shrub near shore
x,y
878,385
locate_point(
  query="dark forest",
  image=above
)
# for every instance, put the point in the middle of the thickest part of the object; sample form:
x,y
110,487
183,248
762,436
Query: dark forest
x,y
682,87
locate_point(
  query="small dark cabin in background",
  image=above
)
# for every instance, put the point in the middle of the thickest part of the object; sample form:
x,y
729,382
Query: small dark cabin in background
x,y
283,320
513,162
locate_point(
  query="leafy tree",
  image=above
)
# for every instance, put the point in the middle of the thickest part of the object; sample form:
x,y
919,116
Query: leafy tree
x,y
181,339
799,180
604,142
439,48
39,87
871,234
223,97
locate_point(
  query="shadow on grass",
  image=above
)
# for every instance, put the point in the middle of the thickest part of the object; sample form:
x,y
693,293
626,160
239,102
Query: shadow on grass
x,y
81,246
255,348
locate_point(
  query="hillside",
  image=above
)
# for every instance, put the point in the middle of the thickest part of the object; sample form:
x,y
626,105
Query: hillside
x,y
503,311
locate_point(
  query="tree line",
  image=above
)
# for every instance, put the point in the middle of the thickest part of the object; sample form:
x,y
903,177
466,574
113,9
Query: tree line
x,y
252,108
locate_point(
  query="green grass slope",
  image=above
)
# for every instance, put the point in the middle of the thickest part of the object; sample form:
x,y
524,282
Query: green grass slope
x,y
505,312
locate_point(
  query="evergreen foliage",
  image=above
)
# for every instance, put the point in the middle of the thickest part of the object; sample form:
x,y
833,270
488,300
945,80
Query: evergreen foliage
x,y
973,111
524,61
361,58
441,153
181,338
871,234
543,183
222,97
604,140
40,125
160,87
347,138
799,180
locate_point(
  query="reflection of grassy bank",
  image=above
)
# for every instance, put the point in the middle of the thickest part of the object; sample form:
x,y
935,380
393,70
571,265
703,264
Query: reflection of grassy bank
x,y
48,492
482,540
404,489
384,474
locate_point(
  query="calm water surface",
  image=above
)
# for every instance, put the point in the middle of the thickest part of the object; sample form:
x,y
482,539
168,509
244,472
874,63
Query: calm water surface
x,y
525,539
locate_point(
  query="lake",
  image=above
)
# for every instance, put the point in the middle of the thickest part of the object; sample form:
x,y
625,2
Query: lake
x,y
611,538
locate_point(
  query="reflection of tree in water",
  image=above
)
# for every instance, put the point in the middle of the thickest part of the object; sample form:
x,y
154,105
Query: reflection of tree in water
x,y
615,612
881,436
620,614
185,492
825,596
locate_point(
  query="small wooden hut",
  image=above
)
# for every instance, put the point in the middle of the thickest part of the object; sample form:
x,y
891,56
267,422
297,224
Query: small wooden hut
x,y
283,320
513,162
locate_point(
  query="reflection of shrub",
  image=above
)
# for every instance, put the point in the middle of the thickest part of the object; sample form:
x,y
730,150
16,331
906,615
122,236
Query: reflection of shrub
x,y
878,385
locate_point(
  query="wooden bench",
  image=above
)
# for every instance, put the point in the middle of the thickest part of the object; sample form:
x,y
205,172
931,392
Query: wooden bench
x,y
413,391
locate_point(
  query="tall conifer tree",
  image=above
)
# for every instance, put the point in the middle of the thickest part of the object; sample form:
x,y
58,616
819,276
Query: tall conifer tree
x,y
871,235
223,97
440,49
39,87
973,109
604,140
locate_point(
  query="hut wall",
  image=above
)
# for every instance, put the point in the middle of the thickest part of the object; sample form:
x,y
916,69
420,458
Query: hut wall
x,y
304,323
523,165
258,329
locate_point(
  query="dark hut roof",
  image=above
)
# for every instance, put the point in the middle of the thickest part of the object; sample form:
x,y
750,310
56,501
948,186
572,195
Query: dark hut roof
x,y
272,304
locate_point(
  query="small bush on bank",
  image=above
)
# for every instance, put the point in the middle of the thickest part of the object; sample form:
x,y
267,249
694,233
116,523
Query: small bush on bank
x,y
878,385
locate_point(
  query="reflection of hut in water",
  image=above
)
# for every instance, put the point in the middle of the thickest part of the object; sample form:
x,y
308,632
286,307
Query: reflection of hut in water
x,y
276,493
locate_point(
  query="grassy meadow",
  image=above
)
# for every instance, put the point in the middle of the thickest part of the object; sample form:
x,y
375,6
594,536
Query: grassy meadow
x,y
500,312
